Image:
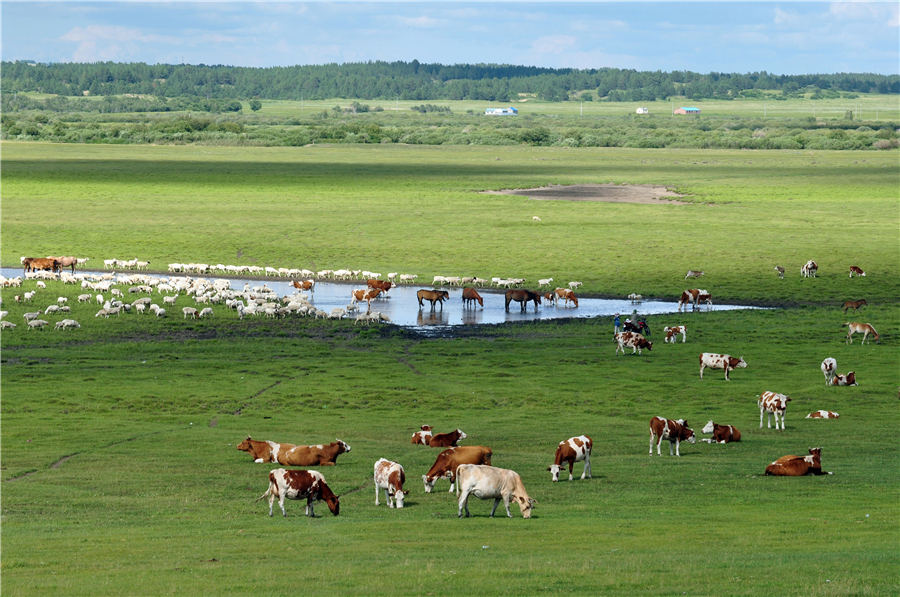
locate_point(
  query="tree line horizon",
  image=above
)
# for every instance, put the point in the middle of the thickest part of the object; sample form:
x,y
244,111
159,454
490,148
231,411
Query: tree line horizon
x,y
379,80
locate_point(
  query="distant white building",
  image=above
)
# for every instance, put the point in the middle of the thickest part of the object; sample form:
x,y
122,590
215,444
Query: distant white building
x,y
510,111
642,110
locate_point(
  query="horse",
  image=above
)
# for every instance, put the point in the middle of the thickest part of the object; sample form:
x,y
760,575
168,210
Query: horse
x,y
66,262
855,305
522,296
31,264
470,295
433,295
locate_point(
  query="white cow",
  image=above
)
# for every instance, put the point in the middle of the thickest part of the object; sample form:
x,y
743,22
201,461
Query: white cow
x,y
389,476
829,368
488,482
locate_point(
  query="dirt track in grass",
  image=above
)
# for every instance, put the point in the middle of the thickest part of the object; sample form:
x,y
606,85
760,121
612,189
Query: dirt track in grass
x,y
606,193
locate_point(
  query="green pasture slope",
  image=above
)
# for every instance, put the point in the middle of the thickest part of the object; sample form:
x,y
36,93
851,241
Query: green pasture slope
x,y
119,470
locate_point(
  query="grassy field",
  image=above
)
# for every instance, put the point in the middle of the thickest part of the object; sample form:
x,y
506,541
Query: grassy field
x,y
119,469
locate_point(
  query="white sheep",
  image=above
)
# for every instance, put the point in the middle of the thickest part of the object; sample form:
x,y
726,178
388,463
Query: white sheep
x,y
28,295
545,281
189,312
536,219
574,285
206,312
66,324
62,300
7,325
32,315
84,298
160,312
37,324
40,284
169,300
51,309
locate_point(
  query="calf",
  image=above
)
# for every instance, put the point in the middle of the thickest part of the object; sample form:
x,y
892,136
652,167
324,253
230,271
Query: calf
x,y
721,434
389,476
855,270
844,380
674,431
823,414
780,271
572,450
809,269
798,466
672,333
421,437
636,342
448,460
298,485
720,361
829,367
774,404
445,440
487,482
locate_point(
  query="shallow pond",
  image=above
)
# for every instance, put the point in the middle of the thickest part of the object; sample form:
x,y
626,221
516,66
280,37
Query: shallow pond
x,y
402,306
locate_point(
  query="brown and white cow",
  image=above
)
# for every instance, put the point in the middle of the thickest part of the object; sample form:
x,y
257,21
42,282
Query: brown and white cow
x,y
672,333
567,295
572,450
298,485
823,414
721,434
636,342
364,294
447,461
488,482
809,269
798,466
291,455
855,270
389,476
422,436
855,327
773,404
693,297
829,368
720,361
844,380
304,284
445,440
674,431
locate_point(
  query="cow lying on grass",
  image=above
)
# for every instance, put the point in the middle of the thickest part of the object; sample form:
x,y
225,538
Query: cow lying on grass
x,y
798,466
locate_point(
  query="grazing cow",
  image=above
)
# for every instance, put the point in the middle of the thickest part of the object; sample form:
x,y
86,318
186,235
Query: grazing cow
x,y
572,450
823,414
693,274
809,269
829,368
720,361
523,297
863,328
798,466
291,455
445,440
674,431
421,437
470,295
488,482
844,380
381,285
446,462
567,294
633,340
433,296
694,296
774,404
304,284
298,485
855,305
389,476
855,270
780,271
721,434
672,333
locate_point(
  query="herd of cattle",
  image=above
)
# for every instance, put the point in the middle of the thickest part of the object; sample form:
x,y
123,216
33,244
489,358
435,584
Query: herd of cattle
x,y
468,468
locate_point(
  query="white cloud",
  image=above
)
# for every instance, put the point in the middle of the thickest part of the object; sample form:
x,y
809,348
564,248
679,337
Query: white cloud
x,y
93,33
553,44
424,22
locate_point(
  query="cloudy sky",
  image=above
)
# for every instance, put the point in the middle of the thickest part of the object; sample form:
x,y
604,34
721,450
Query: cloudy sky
x,y
780,37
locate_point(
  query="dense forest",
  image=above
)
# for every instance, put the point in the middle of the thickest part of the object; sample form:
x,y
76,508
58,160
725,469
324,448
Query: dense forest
x,y
416,81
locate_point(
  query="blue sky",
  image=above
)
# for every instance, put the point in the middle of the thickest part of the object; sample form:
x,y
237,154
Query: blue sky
x,y
779,37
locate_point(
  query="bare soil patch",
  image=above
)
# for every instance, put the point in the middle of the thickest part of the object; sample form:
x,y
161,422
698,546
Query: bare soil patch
x,y
606,193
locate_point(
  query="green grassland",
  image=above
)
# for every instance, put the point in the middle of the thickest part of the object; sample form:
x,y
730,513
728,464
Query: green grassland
x,y
119,469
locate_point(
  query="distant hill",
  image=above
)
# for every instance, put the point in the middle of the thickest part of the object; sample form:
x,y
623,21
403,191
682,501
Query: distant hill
x,y
420,81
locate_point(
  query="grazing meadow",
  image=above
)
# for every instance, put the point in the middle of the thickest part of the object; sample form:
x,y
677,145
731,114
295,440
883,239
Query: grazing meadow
x,y
119,469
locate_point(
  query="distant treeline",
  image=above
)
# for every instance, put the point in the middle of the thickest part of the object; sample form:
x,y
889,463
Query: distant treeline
x,y
418,81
